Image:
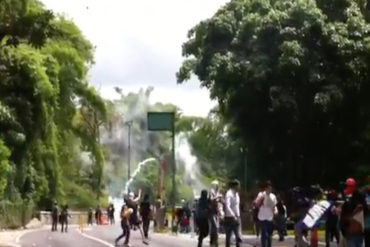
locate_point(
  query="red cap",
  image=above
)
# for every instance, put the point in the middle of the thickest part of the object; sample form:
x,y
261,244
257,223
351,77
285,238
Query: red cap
x,y
350,182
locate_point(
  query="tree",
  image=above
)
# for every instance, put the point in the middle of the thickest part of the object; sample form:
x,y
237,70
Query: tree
x,y
293,78
44,60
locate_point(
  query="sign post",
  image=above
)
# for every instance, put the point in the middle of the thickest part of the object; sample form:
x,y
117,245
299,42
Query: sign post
x,y
165,121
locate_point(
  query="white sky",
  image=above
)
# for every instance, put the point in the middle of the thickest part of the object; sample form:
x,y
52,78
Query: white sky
x,y
138,44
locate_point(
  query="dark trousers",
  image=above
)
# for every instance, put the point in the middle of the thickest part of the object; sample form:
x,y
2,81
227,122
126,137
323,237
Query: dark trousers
x,y
266,233
146,223
54,223
64,225
214,230
203,227
111,219
281,226
231,226
257,228
330,233
125,232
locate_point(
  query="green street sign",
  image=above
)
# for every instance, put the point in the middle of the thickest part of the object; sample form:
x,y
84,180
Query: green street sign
x,y
161,121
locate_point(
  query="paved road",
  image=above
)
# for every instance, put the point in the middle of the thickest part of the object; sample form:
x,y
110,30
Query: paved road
x,y
46,238
97,236
103,236
108,234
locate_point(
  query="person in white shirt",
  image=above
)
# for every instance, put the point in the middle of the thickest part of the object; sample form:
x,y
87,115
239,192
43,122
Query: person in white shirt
x,y
232,212
266,202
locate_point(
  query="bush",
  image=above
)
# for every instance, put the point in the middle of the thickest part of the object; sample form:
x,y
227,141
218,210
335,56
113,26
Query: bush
x,y
15,214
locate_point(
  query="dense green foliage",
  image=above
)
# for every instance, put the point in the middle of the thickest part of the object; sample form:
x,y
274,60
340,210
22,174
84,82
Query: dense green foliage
x,y
44,61
220,155
292,76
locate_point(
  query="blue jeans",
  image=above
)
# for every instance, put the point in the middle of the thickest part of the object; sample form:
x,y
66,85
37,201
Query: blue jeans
x,y
266,233
231,226
354,240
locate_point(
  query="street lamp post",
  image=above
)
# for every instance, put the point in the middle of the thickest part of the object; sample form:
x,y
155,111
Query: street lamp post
x,y
129,124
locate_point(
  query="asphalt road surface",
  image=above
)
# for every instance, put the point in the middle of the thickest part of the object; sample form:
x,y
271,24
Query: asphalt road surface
x,y
98,236
103,236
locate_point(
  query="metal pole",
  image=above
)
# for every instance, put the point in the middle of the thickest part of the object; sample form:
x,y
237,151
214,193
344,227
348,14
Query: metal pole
x,y
129,152
173,173
245,168
129,124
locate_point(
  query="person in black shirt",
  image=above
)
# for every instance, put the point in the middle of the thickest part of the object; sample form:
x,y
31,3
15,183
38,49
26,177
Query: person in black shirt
x,y
54,217
203,212
110,212
332,220
64,218
281,216
90,217
145,212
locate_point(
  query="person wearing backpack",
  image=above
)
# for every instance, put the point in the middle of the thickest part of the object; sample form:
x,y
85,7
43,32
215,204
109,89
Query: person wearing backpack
x,y
266,201
203,212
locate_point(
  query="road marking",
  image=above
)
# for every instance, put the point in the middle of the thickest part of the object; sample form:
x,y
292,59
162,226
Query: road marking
x,y
95,239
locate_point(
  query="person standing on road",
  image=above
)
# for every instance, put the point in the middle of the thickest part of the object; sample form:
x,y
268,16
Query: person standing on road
x,y
90,217
145,213
281,216
266,201
203,209
54,217
125,225
110,212
215,198
332,220
352,220
98,215
64,218
232,212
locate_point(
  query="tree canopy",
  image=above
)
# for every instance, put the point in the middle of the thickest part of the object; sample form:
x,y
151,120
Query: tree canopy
x,y
292,76
44,59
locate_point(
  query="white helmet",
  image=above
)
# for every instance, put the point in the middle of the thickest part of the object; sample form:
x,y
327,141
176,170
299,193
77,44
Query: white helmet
x,y
214,183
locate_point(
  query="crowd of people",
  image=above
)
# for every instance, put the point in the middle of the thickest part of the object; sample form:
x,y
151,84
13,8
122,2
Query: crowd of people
x,y
59,216
345,217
